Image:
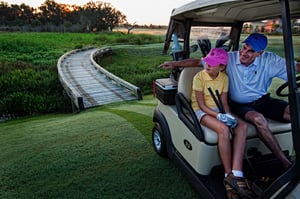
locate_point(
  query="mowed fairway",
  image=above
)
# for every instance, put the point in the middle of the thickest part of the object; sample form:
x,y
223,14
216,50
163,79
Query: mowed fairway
x,y
100,153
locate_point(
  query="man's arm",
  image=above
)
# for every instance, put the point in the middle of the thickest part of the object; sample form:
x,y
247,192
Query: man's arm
x,y
182,63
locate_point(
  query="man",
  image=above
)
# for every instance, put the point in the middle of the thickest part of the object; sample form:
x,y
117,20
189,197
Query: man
x,y
250,71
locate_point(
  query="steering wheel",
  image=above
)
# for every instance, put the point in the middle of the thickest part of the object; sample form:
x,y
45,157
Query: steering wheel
x,y
284,85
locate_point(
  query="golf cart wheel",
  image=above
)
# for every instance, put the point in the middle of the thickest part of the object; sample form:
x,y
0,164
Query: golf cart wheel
x,y
158,141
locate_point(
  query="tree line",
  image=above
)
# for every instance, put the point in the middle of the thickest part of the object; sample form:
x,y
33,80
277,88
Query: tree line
x,y
55,17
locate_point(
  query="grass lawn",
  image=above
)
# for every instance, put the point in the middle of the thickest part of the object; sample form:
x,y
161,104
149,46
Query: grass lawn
x,y
103,152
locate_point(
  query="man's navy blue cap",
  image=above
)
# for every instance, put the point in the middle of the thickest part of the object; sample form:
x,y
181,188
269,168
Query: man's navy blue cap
x,y
257,41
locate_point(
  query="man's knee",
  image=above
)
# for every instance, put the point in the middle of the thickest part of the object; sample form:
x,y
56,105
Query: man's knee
x,y
256,118
286,114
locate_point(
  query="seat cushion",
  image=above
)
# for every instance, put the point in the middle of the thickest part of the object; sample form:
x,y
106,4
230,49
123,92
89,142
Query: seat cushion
x,y
185,82
276,127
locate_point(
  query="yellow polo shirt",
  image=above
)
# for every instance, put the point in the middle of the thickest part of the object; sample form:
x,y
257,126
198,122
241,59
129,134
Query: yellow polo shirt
x,y
202,81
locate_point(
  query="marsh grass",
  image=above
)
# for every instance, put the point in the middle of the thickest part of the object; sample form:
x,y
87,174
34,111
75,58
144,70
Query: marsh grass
x,y
26,59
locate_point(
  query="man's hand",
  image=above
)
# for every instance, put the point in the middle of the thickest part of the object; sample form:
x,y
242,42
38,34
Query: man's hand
x,y
228,119
167,65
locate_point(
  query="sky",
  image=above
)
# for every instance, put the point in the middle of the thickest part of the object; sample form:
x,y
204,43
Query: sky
x,y
156,12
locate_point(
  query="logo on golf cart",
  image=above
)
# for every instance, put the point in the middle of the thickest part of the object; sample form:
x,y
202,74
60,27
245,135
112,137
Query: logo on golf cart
x,y
187,144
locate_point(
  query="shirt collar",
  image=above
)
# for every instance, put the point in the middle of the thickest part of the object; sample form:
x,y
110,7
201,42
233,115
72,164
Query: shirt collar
x,y
209,78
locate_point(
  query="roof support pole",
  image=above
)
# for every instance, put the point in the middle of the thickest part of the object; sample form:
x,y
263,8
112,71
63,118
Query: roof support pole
x,y
294,97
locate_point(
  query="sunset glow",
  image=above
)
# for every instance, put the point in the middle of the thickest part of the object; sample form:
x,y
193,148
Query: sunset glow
x,y
142,12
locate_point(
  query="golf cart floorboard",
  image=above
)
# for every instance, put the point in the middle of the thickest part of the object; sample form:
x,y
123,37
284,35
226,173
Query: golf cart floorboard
x,y
266,167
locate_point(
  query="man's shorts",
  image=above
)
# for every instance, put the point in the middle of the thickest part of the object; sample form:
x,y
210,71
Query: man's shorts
x,y
270,107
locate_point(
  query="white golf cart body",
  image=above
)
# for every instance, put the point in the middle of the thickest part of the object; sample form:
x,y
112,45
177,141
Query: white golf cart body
x,y
177,133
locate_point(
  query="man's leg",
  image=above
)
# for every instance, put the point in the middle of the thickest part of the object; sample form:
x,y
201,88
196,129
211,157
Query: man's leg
x,y
287,114
267,136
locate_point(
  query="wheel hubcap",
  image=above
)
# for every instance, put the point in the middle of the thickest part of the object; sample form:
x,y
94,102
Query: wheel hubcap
x,y
156,140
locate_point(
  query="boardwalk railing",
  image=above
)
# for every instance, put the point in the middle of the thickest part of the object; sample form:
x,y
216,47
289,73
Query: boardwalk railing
x,y
136,90
75,96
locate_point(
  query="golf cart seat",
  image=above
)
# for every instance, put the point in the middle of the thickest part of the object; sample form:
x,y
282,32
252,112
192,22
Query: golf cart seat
x,y
208,137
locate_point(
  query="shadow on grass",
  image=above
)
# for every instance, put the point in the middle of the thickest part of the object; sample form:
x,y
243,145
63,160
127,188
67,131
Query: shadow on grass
x,y
140,121
99,153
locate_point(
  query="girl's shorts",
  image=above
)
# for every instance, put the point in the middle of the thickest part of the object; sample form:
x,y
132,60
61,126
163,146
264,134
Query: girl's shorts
x,y
199,113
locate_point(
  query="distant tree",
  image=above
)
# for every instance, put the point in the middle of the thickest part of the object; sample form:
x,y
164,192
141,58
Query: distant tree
x,y
52,16
26,14
87,16
51,12
71,13
112,17
130,27
101,16
5,13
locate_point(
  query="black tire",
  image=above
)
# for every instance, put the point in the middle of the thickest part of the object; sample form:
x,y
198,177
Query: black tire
x,y
158,141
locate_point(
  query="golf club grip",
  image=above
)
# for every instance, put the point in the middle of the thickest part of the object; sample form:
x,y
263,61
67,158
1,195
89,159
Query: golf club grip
x,y
214,98
220,102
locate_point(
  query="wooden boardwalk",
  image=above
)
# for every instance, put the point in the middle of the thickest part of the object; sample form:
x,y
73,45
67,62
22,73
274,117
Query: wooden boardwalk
x,y
88,84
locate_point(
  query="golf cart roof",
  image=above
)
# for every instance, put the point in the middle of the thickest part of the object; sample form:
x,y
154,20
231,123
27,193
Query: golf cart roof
x,y
231,11
224,13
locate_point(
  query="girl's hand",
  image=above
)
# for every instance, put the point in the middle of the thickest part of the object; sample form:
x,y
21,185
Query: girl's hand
x,y
228,119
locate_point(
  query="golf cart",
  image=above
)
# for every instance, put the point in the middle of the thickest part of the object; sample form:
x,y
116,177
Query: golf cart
x,y
177,133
